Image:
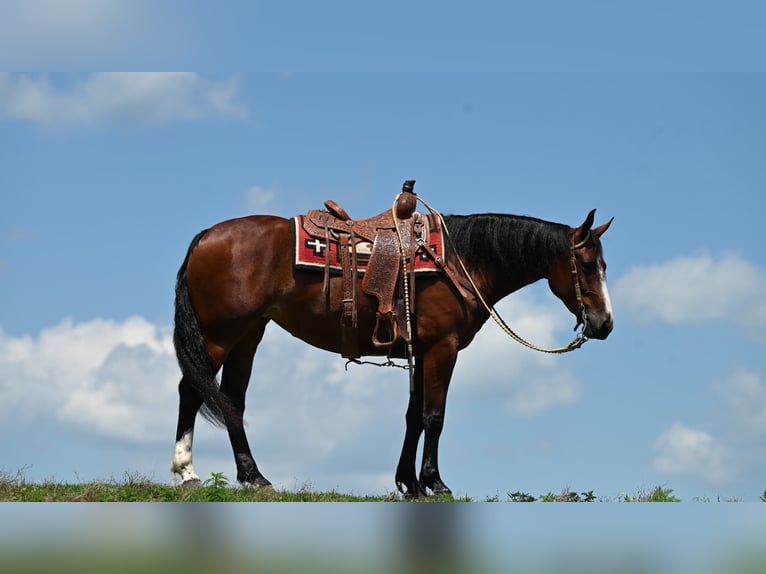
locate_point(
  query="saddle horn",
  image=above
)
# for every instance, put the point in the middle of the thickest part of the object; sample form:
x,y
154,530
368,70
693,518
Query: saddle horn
x,y
407,200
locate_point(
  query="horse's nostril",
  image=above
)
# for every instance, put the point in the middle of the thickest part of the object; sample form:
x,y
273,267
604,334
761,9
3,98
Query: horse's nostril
x,y
599,329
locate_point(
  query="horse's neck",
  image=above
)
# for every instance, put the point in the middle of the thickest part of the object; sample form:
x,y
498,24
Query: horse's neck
x,y
527,258
500,281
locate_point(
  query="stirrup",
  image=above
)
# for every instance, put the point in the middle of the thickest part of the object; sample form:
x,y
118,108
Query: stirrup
x,y
390,318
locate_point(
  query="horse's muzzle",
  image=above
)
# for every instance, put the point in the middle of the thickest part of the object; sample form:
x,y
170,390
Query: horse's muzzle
x,y
598,327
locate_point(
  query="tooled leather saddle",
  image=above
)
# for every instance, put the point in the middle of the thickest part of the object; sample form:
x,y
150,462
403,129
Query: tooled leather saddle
x,y
389,238
375,247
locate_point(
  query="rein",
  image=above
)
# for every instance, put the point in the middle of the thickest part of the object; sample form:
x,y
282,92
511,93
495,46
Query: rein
x,y
579,340
576,343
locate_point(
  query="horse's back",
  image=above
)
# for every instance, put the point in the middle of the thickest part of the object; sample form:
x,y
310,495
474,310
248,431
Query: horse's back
x,y
242,271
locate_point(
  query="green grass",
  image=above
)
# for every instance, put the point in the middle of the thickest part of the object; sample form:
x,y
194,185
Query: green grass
x,y
133,487
136,488
656,494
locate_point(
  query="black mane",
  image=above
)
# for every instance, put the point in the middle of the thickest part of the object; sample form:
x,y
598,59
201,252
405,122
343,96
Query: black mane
x,y
518,244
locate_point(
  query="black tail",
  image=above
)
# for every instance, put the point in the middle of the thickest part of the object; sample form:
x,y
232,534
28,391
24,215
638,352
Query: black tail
x,y
191,352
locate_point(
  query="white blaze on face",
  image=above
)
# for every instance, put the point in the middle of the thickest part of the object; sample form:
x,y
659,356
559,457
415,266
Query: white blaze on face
x,y
182,458
605,290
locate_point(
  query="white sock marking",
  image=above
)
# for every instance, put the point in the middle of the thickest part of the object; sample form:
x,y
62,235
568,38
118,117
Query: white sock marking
x,y
182,458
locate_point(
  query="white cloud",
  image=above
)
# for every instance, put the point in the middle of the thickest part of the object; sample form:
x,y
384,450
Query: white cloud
x,y
544,391
119,380
114,378
121,98
684,451
305,412
696,289
260,200
306,401
94,34
744,395
528,382
31,28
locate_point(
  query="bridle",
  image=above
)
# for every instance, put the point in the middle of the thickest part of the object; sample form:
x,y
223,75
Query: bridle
x,y
583,320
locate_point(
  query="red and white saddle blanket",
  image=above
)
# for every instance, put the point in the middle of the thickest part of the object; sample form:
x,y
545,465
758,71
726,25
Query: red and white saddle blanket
x,y
309,251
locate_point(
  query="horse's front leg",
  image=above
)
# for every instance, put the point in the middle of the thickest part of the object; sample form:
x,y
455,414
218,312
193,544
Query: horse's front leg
x,y
439,363
406,478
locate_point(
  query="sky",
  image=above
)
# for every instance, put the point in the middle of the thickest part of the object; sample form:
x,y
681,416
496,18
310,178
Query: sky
x,y
106,177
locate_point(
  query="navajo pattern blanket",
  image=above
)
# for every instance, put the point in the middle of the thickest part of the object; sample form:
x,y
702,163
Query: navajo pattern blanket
x,y
309,252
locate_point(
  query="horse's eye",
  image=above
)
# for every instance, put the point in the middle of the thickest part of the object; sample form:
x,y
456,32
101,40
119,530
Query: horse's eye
x,y
589,267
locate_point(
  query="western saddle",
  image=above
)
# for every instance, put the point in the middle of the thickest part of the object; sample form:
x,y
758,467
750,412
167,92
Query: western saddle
x,y
394,232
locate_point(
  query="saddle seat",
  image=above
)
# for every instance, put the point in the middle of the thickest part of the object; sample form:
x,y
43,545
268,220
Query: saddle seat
x,y
337,221
389,239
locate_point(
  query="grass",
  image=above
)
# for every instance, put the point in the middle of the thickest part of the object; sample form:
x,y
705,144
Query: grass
x,y
136,488
656,494
132,487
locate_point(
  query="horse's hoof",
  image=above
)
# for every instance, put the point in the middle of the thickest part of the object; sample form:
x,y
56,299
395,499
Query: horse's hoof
x,y
438,488
260,484
416,493
192,483
415,496
264,488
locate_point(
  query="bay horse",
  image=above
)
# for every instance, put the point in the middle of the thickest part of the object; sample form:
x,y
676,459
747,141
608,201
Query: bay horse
x,y
239,275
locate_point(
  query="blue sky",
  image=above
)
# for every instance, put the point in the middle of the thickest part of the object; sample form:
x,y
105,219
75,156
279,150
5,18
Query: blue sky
x,y
344,35
105,179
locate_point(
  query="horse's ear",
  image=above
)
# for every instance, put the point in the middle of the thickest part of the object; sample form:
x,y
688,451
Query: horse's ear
x,y
581,233
588,223
599,231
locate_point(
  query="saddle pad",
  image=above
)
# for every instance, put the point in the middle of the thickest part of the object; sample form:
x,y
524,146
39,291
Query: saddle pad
x,y
309,251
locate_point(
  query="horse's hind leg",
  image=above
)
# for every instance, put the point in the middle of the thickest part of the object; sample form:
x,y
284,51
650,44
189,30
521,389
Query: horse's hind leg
x,y
234,381
188,406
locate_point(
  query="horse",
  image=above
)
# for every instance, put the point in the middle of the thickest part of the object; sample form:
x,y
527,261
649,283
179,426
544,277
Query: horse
x,y
239,275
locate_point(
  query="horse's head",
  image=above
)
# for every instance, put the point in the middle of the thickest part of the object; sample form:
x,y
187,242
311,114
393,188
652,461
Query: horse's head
x,y
579,279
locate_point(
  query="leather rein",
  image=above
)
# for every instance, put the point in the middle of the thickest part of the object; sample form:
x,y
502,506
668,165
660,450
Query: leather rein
x,y
579,340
